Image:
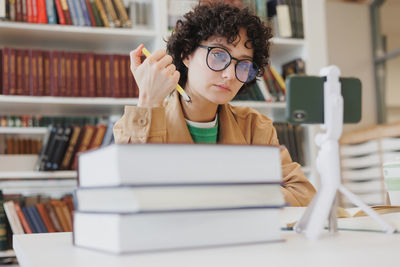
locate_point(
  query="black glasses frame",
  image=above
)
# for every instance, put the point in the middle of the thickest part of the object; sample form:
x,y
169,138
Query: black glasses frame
x,y
209,48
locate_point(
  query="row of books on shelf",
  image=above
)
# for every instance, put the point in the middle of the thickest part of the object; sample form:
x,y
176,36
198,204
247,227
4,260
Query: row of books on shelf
x,y
43,121
21,146
65,141
271,87
146,209
91,13
68,74
284,16
33,214
292,136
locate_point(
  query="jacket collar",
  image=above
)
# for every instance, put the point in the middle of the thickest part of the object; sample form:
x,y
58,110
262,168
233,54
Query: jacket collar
x,y
228,132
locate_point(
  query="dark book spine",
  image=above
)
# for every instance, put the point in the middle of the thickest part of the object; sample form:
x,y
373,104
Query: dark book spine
x,y
54,63
44,155
29,219
38,219
107,76
90,11
26,70
61,147
66,11
18,10
96,14
54,145
99,70
60,13
67,160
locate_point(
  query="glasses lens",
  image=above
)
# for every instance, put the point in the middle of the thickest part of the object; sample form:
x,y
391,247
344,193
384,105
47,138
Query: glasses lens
x,y
218,59
246,71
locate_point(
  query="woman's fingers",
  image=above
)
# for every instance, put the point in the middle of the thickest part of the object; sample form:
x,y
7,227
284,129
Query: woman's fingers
x,y
135,57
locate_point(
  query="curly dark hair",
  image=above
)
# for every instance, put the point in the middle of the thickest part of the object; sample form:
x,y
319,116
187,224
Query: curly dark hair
x,y
223,20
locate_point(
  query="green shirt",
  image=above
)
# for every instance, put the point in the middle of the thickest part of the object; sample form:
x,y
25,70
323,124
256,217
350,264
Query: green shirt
x,y
204,135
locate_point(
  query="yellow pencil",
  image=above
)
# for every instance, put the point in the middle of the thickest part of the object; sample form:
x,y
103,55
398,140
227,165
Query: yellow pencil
x,y
178,87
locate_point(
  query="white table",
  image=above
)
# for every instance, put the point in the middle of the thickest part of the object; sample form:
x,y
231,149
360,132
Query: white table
x,y
344,249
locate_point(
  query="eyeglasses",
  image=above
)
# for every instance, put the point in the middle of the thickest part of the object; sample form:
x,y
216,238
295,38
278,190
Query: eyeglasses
x,y
219,59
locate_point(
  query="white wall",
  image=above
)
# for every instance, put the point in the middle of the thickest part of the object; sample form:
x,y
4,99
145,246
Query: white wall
x,y
350,48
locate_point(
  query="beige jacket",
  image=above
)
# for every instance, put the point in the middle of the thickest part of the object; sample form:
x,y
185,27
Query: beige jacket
x,y
237,125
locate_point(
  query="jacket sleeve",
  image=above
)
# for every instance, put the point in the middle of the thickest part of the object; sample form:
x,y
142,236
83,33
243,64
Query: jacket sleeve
x,y
141,125
296,188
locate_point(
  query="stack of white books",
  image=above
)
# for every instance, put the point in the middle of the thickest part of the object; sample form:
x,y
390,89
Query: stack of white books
x,y
148,197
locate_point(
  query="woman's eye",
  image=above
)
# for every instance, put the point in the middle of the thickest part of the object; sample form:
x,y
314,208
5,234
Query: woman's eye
x,y
219,55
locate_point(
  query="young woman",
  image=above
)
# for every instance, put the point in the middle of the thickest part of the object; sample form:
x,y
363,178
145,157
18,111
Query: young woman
x,y
216,51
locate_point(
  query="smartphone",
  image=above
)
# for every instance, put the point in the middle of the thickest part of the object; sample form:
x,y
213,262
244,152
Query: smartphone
x,y
305,99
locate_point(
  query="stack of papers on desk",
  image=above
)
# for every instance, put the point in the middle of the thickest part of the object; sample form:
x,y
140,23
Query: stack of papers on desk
x,y
134,198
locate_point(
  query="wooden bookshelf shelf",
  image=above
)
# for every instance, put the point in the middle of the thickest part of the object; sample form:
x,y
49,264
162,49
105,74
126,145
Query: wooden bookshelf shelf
x,y
38,175
68,106
46,36
23,130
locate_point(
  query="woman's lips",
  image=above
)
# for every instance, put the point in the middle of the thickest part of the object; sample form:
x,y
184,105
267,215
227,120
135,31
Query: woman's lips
x,y
223,88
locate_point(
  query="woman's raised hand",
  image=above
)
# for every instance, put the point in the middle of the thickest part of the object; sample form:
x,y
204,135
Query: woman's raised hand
x,y
156,77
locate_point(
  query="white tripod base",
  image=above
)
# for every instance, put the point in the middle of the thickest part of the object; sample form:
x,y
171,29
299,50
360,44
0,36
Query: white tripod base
x,y
323,206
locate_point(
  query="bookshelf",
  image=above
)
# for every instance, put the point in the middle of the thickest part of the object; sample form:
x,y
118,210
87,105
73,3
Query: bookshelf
x,y
114,40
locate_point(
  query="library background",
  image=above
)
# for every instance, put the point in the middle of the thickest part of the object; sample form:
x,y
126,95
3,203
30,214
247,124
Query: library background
x,y
65,78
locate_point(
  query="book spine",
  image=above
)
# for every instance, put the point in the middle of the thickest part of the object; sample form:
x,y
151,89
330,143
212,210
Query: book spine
x,y
61,73
45,217
24,11
12,11
99,75
79,12
96,14
3,226
85,13
99,136
90,12
5,70
39,222
35,11
29,219
42,13
29,10
84,75
76,90
47,73
53,217
34,71
111,12
66,162
68,73
102,13
26,69
51,12
107,75
54,63
123,80
73,12
40,73
123,15
60,13
22,219
115,82
11,74
20,80
66,12
90,72
18,10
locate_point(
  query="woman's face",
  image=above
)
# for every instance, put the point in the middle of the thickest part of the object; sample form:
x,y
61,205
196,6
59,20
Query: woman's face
x,y
218,87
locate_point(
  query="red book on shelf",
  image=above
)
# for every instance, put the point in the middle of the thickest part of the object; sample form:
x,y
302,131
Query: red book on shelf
x,y
66,12
34,73
18,10
116,77
12,72
130,79
61,74
108,75
46,73
99,73
22,218
60,13
123,80
83,75
29,10
75,75
68,73
54,63
90,75
45,217
35,11
5,73
19,80
90,11
40,68
42,14
26,70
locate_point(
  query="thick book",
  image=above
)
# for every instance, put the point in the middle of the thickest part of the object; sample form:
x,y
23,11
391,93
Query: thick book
x,y
137,232
177,197
120,164
12,217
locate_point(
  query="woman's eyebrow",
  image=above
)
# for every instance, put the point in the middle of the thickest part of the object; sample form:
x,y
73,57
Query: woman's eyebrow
x,y
230,50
